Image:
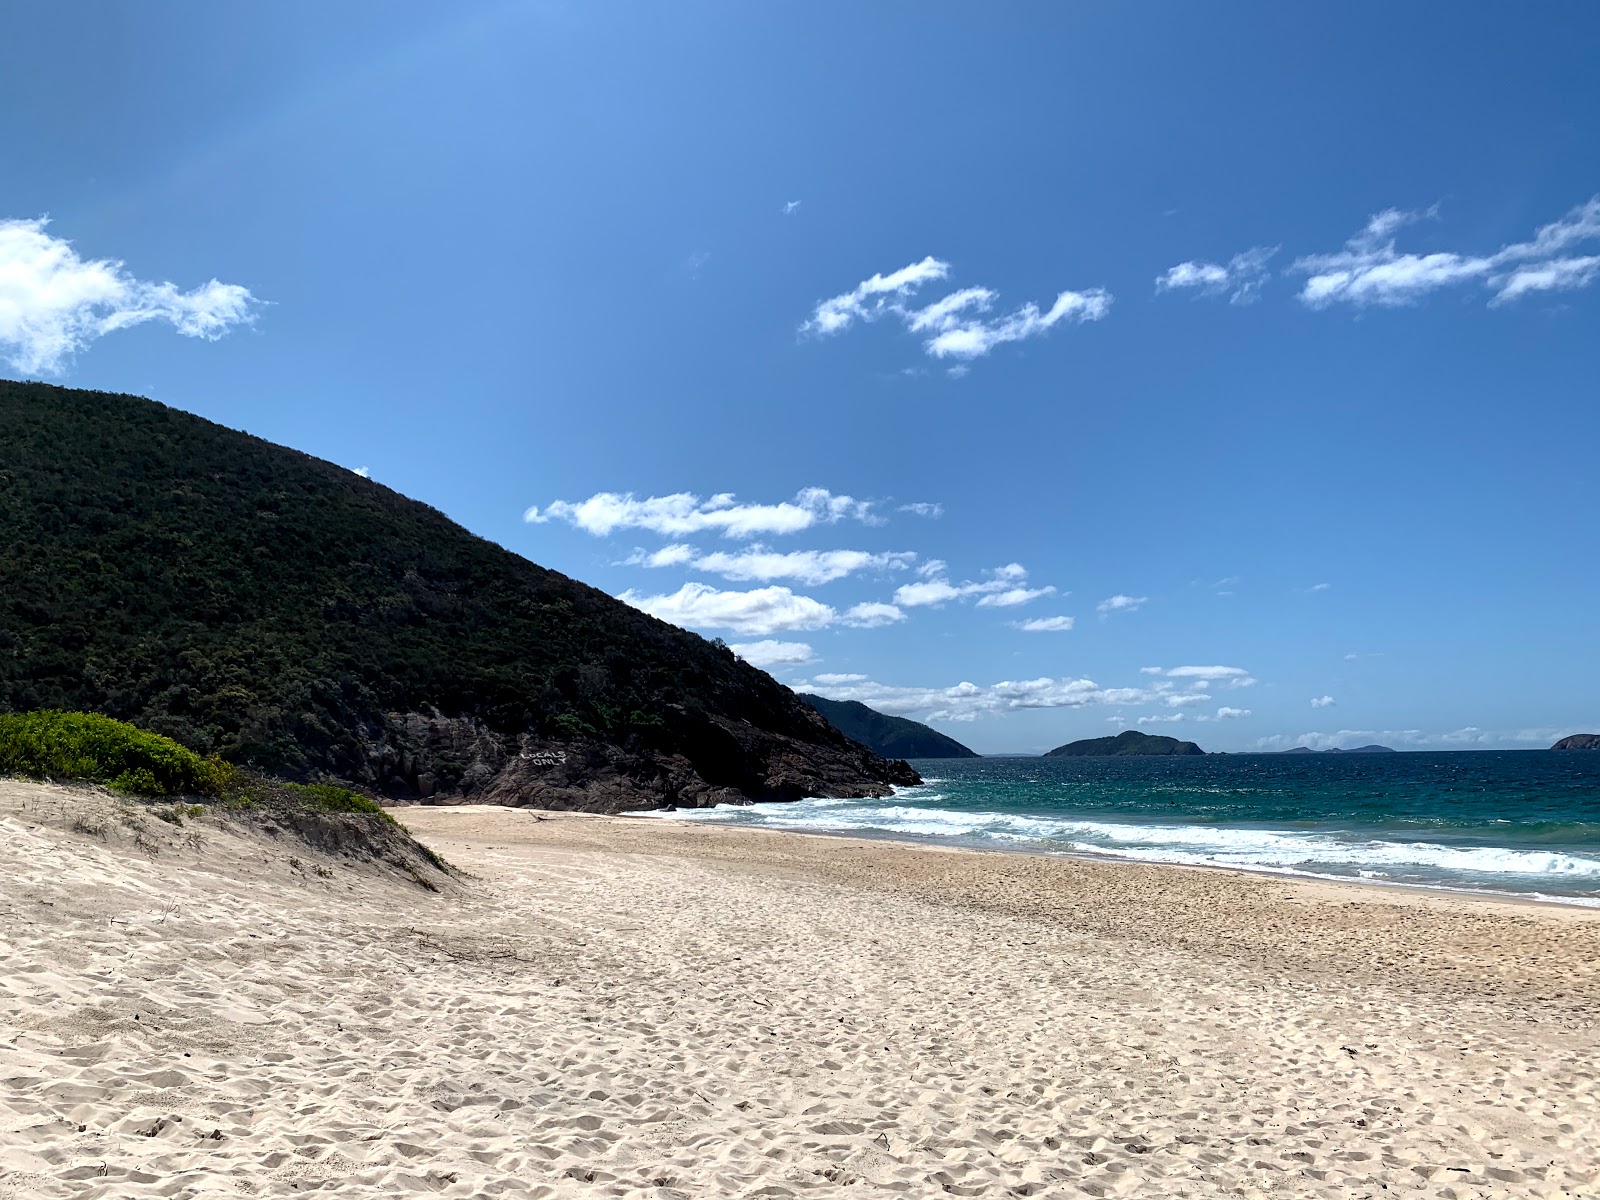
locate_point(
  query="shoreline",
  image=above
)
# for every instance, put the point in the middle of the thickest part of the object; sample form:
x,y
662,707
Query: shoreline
x,y
604,1007
1581,904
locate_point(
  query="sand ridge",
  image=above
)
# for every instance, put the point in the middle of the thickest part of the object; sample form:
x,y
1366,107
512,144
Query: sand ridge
x,y
617,1007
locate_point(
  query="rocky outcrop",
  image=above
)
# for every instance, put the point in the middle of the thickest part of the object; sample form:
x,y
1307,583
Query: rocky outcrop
x,y
1579,741
435,759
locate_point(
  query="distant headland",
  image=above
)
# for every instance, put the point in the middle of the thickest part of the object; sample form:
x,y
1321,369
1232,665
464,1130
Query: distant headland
x,y
881,733
1579,741
1130,741
1337,750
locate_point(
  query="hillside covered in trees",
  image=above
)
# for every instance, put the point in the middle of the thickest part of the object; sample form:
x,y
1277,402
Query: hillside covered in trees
x,y
895,737
286,614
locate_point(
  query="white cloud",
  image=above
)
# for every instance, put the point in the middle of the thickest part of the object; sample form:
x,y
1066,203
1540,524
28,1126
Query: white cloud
x,y
1369,270
1158,719
1044,625
955,326
1322,702
754,613
1012,597
1003,589
1120,603
1240,279
53,304
873,297
1567,274
1200,678
809,567
1471,735
923,508
758,612
968,701
684,513
790,207
1319,587
364,472
769,653
872,614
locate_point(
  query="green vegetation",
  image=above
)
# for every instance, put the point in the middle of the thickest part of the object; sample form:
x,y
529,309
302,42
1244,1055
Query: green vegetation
x,y
69,745
286,615
325,797
1129,741
96,749
892,737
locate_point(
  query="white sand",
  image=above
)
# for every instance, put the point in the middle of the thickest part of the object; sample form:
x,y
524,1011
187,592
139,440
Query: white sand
x,y
620,1007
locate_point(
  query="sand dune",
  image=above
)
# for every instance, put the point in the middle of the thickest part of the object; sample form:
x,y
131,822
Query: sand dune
x,y
628,1007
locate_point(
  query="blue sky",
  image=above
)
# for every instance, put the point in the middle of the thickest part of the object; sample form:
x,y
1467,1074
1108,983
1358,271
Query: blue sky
x,y
733,289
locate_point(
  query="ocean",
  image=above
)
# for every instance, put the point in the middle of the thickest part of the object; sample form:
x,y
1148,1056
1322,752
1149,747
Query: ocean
x,y
1513,822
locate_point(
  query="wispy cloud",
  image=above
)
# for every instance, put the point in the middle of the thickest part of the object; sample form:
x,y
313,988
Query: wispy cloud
x,y
809,567
958,325
1202,677
967,701
364,472
769,653
1369,270
1044,625
921,508
872,614
790,207
1240,278
1005,588
756,613
684,513
1120,603
872,298
53,304
1317,587
1322,702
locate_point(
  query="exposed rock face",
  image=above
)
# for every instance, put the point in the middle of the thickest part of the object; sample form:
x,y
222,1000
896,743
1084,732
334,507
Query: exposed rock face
x,y
1579,741
455,760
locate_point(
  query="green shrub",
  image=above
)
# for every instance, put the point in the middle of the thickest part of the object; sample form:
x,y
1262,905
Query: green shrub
x,y
68,745
328,798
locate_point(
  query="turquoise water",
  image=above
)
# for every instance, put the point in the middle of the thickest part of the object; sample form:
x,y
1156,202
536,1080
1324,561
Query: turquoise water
x,y
1522,822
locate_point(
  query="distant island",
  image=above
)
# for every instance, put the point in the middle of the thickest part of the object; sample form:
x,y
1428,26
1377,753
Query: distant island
x,y
1579,741
1337,750
892,737
1128,742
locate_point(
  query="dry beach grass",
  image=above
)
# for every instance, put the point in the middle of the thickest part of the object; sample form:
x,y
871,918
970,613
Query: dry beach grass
x,y
636,1007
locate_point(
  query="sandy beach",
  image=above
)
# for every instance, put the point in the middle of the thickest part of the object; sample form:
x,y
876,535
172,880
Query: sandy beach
x,y
636,1007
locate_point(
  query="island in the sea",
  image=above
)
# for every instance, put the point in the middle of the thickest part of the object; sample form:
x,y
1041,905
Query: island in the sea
x,y
892,737
1373,749
1579,741
1130,741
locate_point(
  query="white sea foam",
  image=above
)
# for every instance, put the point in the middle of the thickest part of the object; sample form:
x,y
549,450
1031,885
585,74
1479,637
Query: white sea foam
x,y
1332,853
